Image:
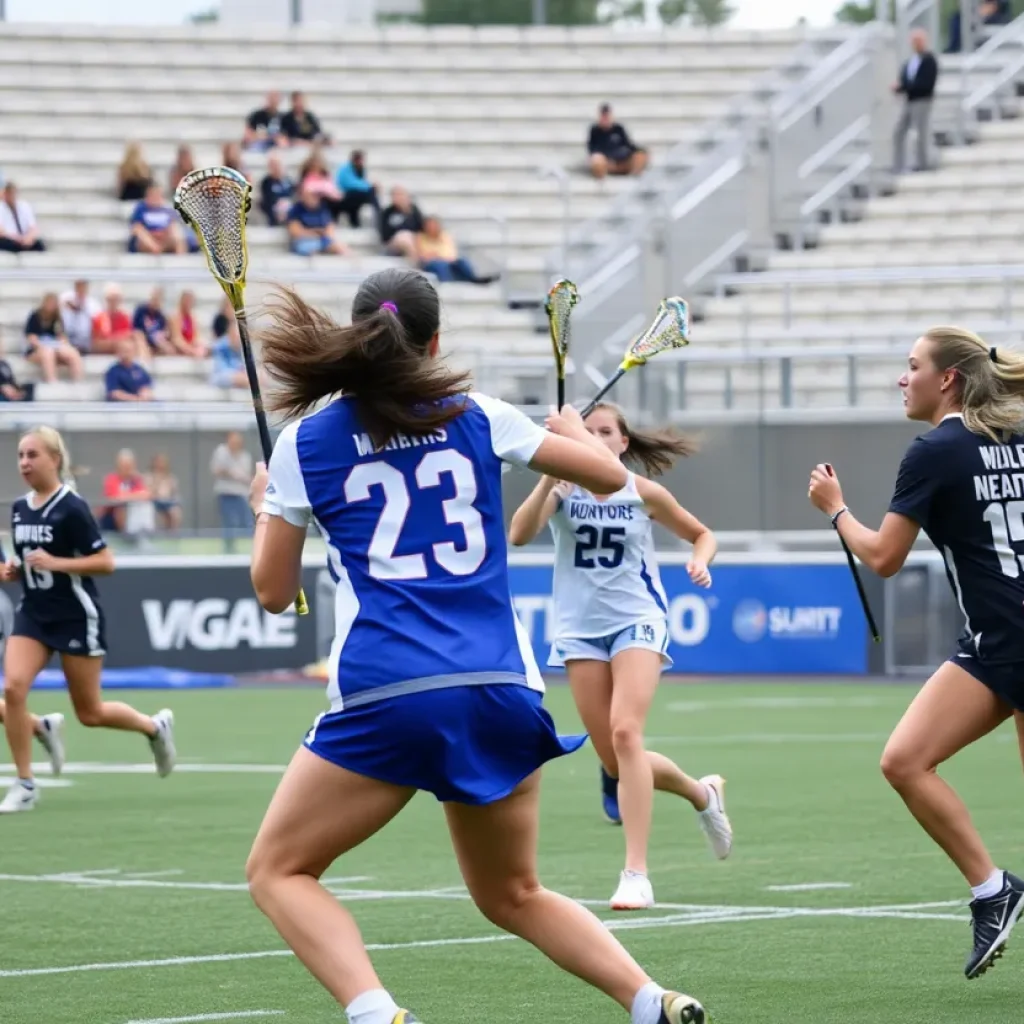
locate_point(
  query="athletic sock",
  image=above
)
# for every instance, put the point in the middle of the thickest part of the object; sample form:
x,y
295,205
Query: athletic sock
x,y
992,886
373,1007
647,1004
28,783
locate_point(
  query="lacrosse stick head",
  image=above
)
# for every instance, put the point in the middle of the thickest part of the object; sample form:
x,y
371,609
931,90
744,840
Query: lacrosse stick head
x,y
558,305
214,202
669,329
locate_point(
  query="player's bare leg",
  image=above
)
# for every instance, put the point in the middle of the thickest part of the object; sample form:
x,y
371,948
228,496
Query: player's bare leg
x,y
49,730
951,711
319,812
24,659
496,846
83,676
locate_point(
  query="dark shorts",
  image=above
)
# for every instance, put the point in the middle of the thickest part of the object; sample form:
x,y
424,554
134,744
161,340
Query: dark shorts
x,y
82,637
465,744
1005,681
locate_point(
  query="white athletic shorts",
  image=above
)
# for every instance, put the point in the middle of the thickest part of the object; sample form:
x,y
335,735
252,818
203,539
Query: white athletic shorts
x,y
647,636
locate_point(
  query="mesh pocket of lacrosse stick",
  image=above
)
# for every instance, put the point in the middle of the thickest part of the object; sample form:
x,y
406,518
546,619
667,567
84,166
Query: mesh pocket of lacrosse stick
x,y
670,329
214,202
558,305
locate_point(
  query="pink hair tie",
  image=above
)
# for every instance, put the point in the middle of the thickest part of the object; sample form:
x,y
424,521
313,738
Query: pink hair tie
x,y
389,305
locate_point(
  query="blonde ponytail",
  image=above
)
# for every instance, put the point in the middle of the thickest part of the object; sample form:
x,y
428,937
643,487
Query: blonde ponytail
x,y
990,381
54,444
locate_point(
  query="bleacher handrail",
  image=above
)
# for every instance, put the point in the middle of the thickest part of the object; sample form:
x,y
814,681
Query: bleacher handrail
x,y
868,275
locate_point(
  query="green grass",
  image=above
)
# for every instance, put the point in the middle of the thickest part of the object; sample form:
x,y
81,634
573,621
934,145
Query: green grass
x,y
805,796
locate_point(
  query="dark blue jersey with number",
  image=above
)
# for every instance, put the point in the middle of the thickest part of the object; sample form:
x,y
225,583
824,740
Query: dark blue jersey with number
x,y
966,491
64,527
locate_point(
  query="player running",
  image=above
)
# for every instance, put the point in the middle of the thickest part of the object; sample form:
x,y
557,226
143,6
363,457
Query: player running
x,y
59,549
433,685
962,484
611,631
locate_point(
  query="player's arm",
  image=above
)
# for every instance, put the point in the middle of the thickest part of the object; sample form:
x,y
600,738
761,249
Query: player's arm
x,y
278,500
532,516
84,535
663,508
884,551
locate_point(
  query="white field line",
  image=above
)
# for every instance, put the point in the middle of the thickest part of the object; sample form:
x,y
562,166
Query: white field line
x,y
238,1015
146,768
783,703
708,915
808,887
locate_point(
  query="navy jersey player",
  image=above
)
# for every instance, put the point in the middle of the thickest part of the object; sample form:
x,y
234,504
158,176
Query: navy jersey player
x,y
48,729
963,484
58,549
433,685
611,628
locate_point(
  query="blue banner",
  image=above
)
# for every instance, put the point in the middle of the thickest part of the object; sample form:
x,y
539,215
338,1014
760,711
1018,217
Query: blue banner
x,y
792,619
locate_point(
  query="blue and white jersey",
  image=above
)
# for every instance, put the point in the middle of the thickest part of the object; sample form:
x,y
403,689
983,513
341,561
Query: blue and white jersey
x,y
416,546
606,575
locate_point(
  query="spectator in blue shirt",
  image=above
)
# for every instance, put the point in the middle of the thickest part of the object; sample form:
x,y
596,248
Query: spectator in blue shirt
x,y
358,191
228,366
156,227
150,326
310,227
126,380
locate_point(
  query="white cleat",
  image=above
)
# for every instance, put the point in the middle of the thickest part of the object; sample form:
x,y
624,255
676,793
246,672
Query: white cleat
x,y
51,736
162,744
635,892
19,798
713,820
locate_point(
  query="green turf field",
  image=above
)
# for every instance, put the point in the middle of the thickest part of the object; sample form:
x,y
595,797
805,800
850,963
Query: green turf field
x,y
123,898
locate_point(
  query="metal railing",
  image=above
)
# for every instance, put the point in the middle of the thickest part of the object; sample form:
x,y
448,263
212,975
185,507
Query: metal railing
x,y
999,61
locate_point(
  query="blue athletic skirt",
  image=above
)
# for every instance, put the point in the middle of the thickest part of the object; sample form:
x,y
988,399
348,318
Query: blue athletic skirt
x,y
464,744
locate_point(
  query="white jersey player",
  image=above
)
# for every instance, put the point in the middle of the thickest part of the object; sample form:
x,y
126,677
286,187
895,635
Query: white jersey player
x,y
611,630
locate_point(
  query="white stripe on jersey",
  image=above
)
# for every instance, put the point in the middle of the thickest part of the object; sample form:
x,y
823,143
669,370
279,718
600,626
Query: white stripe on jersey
x,y
606,574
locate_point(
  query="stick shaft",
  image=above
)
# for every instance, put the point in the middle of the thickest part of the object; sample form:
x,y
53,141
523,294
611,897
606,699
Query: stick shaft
x,y
619,374
861,593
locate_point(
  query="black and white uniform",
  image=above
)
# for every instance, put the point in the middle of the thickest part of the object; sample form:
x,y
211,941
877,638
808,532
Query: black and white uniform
x,y
60,610
966,491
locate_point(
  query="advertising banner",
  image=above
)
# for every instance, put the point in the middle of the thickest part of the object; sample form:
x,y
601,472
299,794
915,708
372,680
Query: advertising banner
x,y
756,619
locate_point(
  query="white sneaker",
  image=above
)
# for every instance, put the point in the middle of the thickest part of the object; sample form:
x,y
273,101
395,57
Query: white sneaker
x,y
635,892
19,798
52,739
162,744
713,820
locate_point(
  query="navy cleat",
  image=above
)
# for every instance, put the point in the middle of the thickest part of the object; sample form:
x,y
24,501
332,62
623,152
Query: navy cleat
x,y
610,797
679,1009
993,920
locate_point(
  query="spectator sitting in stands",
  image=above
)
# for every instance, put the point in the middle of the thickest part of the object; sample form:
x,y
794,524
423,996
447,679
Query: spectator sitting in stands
x,y
134,174
10,389
185,334
18,229
439,255
150,326
310,227
228,366
184,163
300,126
46,344
611,149
276,191
78,309
231,156
163,486
400,223
990,12
112,325
263,126
155,225
126,380
130,509
316,178
358,191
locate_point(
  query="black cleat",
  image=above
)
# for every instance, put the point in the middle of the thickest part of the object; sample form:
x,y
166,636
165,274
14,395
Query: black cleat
x,y
993,920
679,1009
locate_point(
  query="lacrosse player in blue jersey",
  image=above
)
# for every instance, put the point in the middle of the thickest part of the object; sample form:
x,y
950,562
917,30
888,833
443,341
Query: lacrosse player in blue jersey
x,y
433,685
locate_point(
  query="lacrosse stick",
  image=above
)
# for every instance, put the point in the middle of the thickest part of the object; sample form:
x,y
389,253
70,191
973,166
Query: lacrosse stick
x,y
669,329
558,305
214,202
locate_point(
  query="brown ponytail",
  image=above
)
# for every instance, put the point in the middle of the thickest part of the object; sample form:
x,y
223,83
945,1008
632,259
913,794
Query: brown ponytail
x,y
653,451
381,361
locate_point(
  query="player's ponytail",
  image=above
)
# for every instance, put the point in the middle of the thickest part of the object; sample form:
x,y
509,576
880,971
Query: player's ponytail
x,y
54,444
381,360
989,380
653,451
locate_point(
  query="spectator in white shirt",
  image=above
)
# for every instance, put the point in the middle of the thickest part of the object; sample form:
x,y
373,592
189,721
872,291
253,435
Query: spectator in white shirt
x,y
78,310
231,467
18,229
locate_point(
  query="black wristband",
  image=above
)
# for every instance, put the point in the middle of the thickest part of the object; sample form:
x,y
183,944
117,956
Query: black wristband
x,y
835,517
